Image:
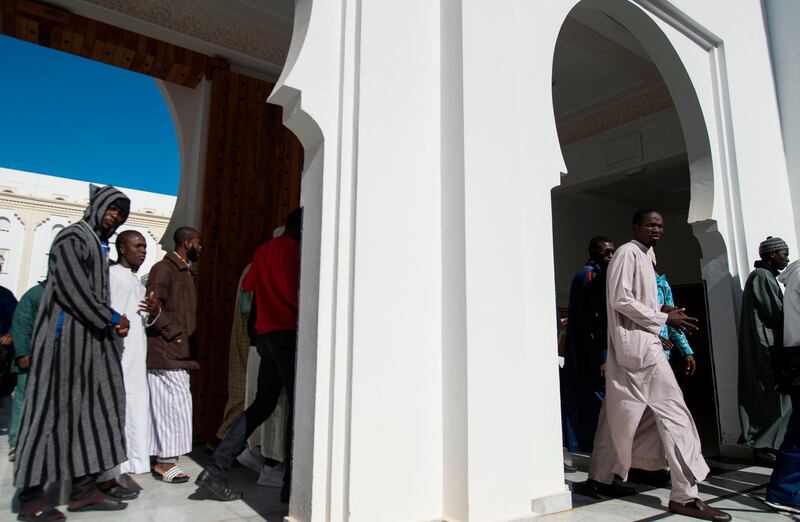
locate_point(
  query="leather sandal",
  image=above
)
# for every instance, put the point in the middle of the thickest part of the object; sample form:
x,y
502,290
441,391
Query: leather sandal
x,y
96,501
46,514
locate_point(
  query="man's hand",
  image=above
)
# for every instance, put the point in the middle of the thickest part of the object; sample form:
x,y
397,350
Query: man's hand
x,y
667,309
6,339
678,319
24,362
603,370
123,327
150,305
691,366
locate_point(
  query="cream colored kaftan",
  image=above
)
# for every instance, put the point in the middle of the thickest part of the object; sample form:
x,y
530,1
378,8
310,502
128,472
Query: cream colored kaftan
x,y
644,422
126,294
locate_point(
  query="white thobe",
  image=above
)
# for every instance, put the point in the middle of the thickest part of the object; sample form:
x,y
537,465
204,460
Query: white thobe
x,y
126,294
644,421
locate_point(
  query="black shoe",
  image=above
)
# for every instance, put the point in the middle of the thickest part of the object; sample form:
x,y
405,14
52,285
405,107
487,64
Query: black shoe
x,y
698,509
217,487
613,490
117,491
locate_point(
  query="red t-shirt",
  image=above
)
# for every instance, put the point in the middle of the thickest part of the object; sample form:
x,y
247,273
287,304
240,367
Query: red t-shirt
x,y
275,277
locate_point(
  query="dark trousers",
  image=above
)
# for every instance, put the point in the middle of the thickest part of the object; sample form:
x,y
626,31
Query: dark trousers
x,y
82,487
784,486
278,351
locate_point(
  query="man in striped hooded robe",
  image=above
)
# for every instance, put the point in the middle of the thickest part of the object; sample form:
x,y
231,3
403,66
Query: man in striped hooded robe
x,y
72,425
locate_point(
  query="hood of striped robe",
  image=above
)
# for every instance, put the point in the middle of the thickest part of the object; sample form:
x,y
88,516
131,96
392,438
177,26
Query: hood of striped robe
x,y
99,200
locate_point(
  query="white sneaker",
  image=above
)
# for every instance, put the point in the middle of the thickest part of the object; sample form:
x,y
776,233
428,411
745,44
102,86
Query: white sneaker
x,y
271,477
249,460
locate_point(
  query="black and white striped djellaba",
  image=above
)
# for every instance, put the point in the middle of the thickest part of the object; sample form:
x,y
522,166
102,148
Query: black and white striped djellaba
x,y
73,418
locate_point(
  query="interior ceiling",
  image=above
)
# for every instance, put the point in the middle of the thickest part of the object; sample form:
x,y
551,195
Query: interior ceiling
x,y
602,77
664,185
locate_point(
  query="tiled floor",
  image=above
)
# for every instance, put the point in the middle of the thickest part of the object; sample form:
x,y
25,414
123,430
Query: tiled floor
x,y
734,487
160,502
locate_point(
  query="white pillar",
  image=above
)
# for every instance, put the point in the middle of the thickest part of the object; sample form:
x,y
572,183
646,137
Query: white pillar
x,y
190,112
512,160
782,18
427,374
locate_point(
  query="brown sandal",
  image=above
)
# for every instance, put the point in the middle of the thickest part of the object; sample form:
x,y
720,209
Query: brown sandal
x,y
47,514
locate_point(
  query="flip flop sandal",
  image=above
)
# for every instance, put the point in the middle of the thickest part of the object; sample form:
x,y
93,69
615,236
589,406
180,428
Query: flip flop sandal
x,y
171,476
48,514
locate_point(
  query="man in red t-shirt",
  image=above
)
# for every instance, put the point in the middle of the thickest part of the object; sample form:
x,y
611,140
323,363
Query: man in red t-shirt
x,y
275,278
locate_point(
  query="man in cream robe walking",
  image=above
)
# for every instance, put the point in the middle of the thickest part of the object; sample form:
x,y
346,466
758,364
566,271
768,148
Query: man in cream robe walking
x,y
644,421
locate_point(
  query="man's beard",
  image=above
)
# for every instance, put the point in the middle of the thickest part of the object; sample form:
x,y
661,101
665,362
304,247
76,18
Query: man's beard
x,y
193,255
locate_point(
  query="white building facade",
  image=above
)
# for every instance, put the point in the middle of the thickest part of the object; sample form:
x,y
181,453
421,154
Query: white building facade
x,y
441,148
458,156
35,207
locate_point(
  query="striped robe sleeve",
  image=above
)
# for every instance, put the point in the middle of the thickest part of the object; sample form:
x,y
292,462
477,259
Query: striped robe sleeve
x,y
73,287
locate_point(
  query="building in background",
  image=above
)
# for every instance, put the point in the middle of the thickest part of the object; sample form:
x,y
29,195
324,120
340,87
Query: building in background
x,y
35,207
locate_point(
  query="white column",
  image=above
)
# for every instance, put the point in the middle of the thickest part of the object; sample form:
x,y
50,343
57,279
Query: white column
x,y
512,160
190,112
782,18
427,373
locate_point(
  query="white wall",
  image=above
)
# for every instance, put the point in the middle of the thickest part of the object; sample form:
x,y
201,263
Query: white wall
x,y
396,373
783,19
12,236
43,237
365,96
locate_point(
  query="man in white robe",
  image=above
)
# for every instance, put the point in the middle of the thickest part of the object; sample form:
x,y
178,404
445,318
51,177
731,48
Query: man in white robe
x,y
644,421
128,297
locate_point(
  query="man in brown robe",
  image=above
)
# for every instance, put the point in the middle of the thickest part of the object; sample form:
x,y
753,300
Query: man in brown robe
x,y
169,358
644,421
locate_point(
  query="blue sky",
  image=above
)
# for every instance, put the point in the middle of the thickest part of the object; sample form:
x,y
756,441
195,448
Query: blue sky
x,y
66,116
